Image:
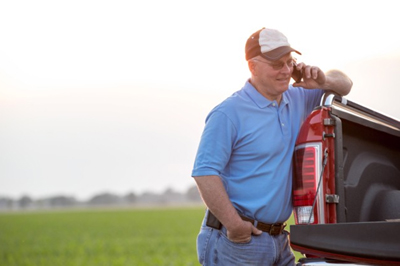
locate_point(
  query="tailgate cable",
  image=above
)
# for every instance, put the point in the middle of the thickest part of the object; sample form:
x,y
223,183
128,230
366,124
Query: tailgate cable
x,y
319,183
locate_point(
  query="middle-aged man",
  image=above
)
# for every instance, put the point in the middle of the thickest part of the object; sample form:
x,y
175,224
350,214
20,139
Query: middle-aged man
x,y
243,167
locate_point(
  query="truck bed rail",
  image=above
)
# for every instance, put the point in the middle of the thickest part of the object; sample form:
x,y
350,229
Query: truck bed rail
x,y
341,106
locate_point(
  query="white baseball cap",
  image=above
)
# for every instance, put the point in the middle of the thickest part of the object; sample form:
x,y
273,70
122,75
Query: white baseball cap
x,y
269,43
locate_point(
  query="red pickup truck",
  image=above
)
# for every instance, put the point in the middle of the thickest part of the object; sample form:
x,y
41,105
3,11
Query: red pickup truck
x,y
346,187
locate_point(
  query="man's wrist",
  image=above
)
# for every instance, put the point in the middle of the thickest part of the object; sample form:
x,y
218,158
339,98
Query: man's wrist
x,y
233,223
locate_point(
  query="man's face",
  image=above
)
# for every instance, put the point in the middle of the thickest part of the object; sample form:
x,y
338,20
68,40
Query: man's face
x,y
272,78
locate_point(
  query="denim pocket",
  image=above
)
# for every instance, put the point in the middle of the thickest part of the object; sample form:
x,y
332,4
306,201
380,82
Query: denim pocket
x,y
232,253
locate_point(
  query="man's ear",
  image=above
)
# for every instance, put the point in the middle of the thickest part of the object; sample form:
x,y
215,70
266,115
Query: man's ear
x,y
252,67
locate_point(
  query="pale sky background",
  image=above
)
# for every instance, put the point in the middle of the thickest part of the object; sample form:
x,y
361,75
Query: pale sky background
x,y
111,96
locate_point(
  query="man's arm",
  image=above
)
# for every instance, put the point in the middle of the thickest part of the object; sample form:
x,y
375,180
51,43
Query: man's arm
x,y
338,82
315,78
216,199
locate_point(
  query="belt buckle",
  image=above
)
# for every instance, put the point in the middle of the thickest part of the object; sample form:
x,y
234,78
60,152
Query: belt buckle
x,y
276,229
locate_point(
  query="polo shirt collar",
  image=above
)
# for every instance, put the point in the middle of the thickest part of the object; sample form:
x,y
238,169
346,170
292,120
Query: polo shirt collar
x,y
259,99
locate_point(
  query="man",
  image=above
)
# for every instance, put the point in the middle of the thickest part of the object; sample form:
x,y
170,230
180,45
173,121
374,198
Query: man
x,y
243,165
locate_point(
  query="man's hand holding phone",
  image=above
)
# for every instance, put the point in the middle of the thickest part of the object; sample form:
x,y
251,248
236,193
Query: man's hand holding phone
x,y
297,74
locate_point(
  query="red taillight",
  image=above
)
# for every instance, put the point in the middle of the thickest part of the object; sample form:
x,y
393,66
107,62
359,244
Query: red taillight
x,y
307,161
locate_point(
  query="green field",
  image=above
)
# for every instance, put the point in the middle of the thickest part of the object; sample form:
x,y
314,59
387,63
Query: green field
x,y
162,236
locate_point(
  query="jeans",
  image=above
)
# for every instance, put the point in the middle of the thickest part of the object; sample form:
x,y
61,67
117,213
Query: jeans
x,y
214,248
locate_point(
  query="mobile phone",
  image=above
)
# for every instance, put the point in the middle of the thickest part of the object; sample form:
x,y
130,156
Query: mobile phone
x,y
213,221
297,75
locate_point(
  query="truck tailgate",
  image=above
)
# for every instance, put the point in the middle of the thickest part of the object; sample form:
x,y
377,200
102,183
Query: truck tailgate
x,y
374,241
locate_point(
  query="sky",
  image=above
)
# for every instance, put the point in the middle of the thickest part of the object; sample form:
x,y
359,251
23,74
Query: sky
x,y
111,96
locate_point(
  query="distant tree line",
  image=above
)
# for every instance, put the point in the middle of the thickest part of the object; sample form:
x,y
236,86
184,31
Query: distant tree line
x,y
106,199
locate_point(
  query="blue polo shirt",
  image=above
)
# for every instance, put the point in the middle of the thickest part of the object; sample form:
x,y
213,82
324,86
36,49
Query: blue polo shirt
x,y
248,141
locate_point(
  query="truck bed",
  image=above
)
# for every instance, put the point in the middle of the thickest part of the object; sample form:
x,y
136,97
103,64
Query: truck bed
x,y
368,164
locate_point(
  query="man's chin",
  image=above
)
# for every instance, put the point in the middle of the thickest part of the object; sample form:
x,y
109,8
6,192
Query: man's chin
x,y
283,86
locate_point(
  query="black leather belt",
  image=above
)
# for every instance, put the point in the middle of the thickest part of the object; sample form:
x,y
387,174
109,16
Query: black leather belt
x,y
272,229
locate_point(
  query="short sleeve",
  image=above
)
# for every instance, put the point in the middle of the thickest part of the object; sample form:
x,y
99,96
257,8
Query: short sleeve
x,y
215,146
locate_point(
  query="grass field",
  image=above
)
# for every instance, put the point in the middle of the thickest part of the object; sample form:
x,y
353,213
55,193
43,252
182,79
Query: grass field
x,y
157,236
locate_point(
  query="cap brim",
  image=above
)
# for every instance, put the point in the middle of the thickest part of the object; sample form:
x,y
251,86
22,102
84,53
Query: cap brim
x,y
279,52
